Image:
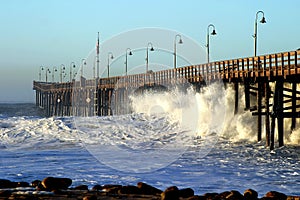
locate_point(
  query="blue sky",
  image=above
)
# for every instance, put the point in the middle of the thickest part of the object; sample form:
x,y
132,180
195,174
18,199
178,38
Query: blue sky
x,y
51,33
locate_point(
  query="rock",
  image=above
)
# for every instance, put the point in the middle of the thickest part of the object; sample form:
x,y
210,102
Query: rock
x,y
276,195
22,184
97,187
196,197
250,194
112,189
51,183
171,193
223,195
130,189
5,193
210,195
186,192
93,197
235,195
81,187
4,183
36,183
148,189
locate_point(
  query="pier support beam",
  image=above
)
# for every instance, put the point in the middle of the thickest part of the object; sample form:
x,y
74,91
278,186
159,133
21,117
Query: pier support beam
x,y
294,105
259,107
247,93
280,117
236,102
267,116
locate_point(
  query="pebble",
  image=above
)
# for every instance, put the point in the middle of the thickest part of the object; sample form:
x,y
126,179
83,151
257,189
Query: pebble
x,y
59,188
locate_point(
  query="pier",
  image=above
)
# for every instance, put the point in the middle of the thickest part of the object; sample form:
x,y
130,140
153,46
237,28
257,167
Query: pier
x,y
254,74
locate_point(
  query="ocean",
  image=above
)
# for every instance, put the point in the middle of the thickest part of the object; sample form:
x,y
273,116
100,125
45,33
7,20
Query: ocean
x,y
155,144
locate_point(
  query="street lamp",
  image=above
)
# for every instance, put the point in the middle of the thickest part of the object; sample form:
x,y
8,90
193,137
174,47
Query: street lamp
x,y
83,62
53,72
72,65
109,56
179,42
40,73
62,68
147,55
47,71
126,59
263,20
207,39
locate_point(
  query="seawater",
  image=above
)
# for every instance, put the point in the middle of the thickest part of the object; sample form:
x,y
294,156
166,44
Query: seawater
x,y
33,147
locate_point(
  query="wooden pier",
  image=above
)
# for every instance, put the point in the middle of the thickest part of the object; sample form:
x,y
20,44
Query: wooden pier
x,y
255,74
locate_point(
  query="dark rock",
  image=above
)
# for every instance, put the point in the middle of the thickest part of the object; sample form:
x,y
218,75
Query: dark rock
x,y
112,189
51,183
130,189
210,195
223,195
108,186
5,193
276,195
186,192
171,193
235,195
97,187
93,197
250,194
148,189
81,187
6,184
22,184
196,197
36,183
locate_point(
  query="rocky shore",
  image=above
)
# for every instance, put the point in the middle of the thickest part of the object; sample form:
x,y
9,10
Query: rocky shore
x,y
60,188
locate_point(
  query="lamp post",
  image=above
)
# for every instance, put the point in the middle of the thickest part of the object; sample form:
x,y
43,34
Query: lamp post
x,y
53,71
179,42
72,66
109,56
40,73
83,62
47,71
147,55
207,39
62,68
126,59
263,20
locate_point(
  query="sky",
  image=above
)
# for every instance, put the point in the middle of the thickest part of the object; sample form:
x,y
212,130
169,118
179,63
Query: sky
x,y
36,33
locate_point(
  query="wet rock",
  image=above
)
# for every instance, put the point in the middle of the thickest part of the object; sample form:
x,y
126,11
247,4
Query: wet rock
x,y
148,189
210,195
4,183
81,187
5,193
36,183
93,197
112,189
235,195
196,197
171,193
97,187
130,189
223,195
186,192
250,194
52,183
22,184
276,195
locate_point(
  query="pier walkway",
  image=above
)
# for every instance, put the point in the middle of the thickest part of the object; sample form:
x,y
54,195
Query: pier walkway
x,y
255,74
